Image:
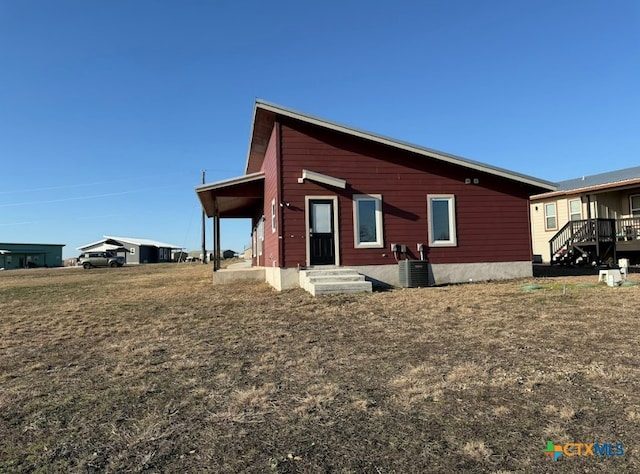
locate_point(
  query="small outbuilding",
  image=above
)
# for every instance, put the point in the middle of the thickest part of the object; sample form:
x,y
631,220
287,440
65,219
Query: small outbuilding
x,y
22,255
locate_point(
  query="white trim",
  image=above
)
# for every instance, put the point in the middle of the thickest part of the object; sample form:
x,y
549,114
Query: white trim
x,y
631,208
336,229
546,216
379,242
248,178
324,179
453,229
569,201
274,210
260,229
254,243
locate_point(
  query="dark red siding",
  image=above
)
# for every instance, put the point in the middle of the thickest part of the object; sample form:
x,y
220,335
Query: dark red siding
x,y
270,167
492,216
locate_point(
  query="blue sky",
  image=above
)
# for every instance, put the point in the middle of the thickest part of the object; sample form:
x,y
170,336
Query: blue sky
x,y
110,110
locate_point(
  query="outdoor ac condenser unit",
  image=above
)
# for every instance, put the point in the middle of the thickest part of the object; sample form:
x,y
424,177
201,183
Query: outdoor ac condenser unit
x,y
414,273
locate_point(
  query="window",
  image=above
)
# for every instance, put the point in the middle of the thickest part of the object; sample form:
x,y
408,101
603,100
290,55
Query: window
x,y
367,221
575,209
550,221
260,235
254,247
274,225
635,205
442,220
132,250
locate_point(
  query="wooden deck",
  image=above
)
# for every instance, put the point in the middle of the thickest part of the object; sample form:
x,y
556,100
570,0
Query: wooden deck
x,y
595,240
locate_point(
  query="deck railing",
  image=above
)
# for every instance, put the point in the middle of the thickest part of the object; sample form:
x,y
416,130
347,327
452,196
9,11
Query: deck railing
x,y
583,231
628,228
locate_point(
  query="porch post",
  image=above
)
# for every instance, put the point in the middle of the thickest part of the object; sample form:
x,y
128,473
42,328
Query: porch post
x,y
216,255
216,236
213,243
216,239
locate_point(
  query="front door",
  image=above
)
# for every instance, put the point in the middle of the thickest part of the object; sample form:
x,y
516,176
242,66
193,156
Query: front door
x,y
321,232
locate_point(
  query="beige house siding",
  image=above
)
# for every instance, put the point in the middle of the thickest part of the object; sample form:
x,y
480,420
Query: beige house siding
x,y
540,235
610,206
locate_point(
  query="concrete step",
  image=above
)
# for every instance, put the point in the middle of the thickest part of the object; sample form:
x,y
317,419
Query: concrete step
x,y
324,278
333,280
331,288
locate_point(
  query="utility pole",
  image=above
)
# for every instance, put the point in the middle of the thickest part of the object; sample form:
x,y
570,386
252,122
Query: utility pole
x,y
204,234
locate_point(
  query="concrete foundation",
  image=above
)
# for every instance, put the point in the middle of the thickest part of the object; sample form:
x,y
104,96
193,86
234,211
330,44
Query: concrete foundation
x,y
444,273
385,276
464,272
231,275
282,278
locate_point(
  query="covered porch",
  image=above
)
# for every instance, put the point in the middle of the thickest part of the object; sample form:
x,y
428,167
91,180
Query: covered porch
x,y
619,203
236,198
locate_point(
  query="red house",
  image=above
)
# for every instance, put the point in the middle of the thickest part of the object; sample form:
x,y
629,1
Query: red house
x,y
323,194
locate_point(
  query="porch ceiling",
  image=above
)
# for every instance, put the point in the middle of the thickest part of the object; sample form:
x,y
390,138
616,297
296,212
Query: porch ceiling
x,y
236,197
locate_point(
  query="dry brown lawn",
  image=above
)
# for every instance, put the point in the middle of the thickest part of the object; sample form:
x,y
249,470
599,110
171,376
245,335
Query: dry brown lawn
x,y
152,369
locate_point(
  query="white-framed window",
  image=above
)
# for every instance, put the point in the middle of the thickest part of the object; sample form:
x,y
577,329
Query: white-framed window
x,y
575,209
634,205
550,216
274,221
260,235
254,241
367,221
441,215
132,250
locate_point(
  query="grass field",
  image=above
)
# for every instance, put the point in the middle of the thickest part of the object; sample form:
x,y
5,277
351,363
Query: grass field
x,y
152,369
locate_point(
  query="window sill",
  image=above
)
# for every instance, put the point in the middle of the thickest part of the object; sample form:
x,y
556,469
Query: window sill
x,y
368,246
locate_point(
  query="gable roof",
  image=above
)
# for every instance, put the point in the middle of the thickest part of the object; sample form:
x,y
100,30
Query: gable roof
x,y
105,244
147,242
596,182
264,117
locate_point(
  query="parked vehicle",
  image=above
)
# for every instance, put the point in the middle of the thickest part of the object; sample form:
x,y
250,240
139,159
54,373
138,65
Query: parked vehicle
x,y
100,259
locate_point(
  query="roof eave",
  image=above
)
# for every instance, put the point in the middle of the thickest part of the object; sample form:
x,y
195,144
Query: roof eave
x,y
587,189
209,193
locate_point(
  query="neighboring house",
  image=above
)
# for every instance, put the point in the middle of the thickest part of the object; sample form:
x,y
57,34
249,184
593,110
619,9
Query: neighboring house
x,y
15,255
592,219
319,193
134,250
225,254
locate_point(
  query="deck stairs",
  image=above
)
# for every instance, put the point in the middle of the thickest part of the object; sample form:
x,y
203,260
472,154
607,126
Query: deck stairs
x,y
333,280
587,241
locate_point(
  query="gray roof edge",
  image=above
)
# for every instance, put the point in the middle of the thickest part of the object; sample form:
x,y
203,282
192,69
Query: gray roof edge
x,y
599,179
247,178
139,241
443,156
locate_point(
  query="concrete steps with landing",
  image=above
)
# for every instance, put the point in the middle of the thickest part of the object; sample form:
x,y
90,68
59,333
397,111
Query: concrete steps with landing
x,y
333,281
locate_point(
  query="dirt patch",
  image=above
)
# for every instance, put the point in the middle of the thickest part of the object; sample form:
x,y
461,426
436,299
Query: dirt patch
x,y
152,369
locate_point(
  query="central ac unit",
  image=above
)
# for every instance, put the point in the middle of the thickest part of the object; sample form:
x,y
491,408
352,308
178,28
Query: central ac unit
x,y
414,273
